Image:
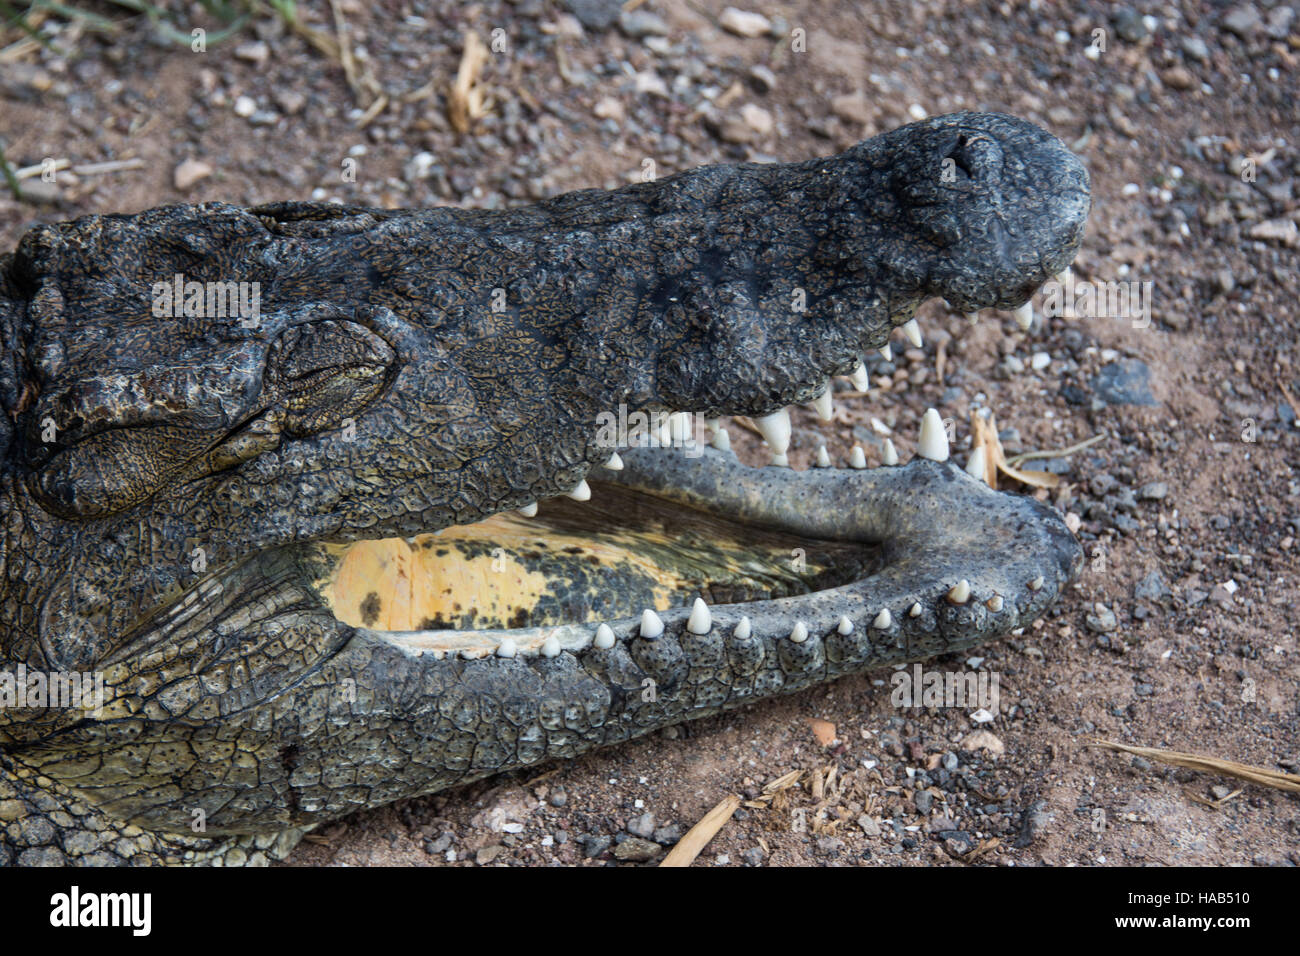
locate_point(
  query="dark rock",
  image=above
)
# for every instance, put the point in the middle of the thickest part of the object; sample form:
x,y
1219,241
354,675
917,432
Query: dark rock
x,y
642,826
1129,25
1152,588
1035,823
1103,621
1243,20
637,850
1125,382
753,856
668,834
595,14
1153,491
593,845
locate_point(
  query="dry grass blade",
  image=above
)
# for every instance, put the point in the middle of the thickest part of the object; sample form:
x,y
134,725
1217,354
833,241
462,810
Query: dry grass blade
x,y
985,435
468,101
698,837
1228,768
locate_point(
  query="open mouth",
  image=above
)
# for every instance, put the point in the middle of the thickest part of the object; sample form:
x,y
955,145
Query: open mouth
x,y
887,564
612,557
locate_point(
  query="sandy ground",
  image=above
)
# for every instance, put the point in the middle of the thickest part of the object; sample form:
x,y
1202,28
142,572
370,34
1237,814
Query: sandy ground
x,y
1197,488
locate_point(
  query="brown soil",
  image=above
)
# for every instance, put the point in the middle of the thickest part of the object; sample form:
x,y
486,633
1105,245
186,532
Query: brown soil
x,y
1171,106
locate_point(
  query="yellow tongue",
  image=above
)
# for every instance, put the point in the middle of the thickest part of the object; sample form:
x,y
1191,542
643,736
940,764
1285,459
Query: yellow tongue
x,y
492,574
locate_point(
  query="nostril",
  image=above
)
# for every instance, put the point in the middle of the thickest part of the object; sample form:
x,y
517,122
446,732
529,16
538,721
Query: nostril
x,y
960,156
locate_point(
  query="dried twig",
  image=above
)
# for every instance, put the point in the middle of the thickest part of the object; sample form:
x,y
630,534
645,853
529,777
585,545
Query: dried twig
x,y
1229,768
698,836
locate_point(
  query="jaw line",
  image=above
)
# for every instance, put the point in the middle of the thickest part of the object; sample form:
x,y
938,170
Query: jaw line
x,y
937,526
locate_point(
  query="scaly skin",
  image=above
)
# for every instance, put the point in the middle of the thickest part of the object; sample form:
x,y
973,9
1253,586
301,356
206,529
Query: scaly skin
x,y
416,370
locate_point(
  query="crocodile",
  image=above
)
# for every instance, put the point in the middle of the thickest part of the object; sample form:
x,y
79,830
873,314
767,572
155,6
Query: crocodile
x,y
416,516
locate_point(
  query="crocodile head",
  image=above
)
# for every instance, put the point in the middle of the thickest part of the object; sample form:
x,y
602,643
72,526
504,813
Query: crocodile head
x,y
346,505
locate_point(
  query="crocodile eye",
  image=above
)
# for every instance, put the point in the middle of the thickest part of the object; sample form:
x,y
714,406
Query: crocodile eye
x,y
326,372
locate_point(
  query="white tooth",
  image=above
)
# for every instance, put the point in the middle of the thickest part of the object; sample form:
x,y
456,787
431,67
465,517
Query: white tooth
x,y
883,620
1025,316
857,457
823,459
615,463
912,329
914,610
700,620
529,510
845,625
712,424
887,352
960,592
581,491
651,624
824,405
507,648
1036,584
859,378
890,455
994,603
743,629
665,431
799,633
972,317
604,637
551,647
722,439
933,443
780,461
1062,277
975,467
776,430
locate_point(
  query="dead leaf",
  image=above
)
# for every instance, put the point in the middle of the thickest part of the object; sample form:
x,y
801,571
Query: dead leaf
x,y
823,730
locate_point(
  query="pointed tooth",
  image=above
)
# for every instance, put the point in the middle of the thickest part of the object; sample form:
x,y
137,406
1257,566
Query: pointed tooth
x,y
824,405
845,626
780,461
883,620
604,637
912,329
823,459
1063,277
890,455
507,648
721,439
994,603
652,624
615,463
972,317
960,592
914,610
799,633
1025,316
700,620
975,467
933,443
712,424
529,510
859,377
551,647
857,457
887,352
776,430
1037,583
581,491
744,628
